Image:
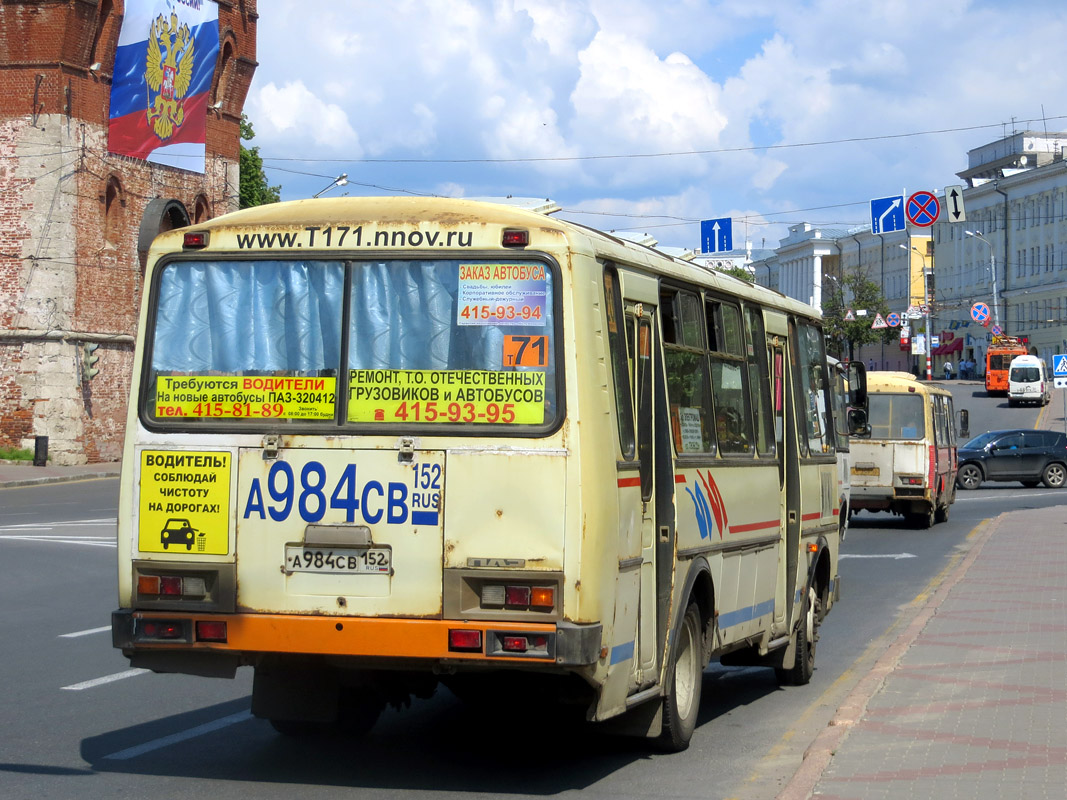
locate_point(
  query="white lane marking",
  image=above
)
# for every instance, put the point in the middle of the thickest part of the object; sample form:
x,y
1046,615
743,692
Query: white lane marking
x,y
896,556
86,632
91,541
174,738
118,676
102,521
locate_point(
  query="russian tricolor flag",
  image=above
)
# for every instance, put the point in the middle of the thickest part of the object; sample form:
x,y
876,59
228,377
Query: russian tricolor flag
x,y
164,67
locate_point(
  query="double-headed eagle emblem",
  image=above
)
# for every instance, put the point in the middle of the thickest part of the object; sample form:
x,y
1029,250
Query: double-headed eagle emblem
x,y
169,71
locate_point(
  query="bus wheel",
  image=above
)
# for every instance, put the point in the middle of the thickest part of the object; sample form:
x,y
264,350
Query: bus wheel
x,y
806,636
922,519
359,710
941,515
682,702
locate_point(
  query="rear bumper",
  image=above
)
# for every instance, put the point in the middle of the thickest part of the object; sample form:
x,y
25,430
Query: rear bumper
x,y
249,636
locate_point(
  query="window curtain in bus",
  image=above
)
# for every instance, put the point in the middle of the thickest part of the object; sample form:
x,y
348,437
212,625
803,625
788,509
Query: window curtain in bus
x,y
404,317
249,317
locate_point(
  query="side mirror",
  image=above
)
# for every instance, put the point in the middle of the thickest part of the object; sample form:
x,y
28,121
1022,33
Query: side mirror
x,y
857,422
857,385
965,423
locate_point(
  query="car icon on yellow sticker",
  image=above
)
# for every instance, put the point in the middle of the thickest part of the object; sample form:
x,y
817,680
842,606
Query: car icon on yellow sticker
x,y
177,531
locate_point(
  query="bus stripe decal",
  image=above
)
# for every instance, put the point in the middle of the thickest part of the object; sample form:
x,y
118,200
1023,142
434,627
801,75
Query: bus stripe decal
x,y
679,478
754,526
622,652
810,517
746,614
627,482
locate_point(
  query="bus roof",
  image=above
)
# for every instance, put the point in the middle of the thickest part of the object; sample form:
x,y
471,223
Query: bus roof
x,y
887,381
484,220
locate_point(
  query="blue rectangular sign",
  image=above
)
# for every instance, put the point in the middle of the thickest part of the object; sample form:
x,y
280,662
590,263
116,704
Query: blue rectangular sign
x,y
716,235
887,214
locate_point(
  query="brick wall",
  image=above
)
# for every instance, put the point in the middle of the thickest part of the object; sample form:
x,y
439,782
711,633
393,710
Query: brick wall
x,y
71,214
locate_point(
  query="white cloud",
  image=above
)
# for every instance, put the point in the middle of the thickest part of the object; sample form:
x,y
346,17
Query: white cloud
x,y
292,111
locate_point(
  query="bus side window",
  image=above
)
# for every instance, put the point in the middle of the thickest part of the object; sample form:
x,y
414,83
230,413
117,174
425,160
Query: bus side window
x,y
617,352
759,380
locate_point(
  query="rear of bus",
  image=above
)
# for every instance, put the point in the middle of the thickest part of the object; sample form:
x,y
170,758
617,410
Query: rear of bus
x,y
907,465
354,414
998,361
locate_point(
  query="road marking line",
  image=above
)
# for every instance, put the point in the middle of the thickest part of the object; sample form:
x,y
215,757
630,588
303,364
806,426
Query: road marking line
x,y
174,738
92,542
118,676
86,632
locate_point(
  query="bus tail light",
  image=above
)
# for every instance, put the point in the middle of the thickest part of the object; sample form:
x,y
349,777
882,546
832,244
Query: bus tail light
x,y
515,237
515,644
518,597
464,641
210,631
161,629
177,586
542,597
195,240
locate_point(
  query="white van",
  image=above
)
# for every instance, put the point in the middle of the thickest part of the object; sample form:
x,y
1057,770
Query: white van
x,y
1028,381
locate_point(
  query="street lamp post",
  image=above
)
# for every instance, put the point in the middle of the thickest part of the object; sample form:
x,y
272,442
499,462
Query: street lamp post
x,y
992,273
926,304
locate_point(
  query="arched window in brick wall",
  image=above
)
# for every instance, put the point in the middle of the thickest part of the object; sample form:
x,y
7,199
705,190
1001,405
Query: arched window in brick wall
x,y
224,68
201,209
114,211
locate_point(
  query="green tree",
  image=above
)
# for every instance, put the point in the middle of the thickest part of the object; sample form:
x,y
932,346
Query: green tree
x,y
737,272
853,292
255,191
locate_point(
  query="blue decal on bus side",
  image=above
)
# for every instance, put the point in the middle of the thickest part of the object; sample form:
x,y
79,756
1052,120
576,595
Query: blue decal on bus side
x,y
746,614
622,652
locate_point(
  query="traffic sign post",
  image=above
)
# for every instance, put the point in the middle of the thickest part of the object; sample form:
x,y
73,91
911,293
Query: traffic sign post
x,y
1059,380
954,204
887,214
716,235
980,314
922,209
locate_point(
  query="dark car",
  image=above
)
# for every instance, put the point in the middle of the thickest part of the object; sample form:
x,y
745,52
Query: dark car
x,y
1025,455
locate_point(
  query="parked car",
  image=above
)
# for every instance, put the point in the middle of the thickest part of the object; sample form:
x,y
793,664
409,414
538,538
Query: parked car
x,y
1025,455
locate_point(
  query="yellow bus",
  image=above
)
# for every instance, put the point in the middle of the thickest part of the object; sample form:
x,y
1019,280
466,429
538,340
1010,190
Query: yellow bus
x,y
907,463
375,444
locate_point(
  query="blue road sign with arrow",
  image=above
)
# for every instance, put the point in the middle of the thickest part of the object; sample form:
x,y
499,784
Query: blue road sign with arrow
x,y
887,214
716,235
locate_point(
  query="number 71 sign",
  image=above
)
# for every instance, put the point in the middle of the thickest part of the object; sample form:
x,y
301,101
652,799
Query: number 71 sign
x,y
525,351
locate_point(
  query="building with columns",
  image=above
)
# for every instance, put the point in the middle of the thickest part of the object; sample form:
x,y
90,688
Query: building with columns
x,y
1012,245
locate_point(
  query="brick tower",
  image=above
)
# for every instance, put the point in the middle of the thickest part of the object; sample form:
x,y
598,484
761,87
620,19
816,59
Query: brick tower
x,y
76,220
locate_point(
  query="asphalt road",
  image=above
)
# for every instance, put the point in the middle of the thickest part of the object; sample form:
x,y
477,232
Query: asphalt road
x,y
79,723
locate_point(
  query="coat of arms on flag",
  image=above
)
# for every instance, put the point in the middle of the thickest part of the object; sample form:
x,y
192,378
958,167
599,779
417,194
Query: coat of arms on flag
x,y
164,68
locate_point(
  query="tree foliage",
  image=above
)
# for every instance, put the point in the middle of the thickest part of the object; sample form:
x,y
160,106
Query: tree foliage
x,y
853,292
255,191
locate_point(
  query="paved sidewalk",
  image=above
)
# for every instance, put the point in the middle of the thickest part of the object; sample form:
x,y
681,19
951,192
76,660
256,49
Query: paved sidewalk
x,y
970,701
25,474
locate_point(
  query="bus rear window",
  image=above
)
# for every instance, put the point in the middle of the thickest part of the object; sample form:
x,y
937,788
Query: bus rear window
x,y
429,343
896,416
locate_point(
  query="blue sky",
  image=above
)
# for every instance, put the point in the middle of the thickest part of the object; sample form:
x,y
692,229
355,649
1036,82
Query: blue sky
x,y
650,116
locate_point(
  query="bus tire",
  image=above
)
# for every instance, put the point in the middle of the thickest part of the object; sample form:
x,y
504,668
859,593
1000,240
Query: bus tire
x,y
922,519
806,635
941,515
682,702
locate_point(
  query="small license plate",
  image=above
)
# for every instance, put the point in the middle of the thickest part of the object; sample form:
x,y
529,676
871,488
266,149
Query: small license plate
x,y
339,560
865,470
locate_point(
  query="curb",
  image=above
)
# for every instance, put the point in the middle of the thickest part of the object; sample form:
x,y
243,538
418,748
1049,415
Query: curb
x,y
818,755
81,476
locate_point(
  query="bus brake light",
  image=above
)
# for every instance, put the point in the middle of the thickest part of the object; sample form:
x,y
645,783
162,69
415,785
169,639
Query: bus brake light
x,y
465,640
515,238
209,631
195,240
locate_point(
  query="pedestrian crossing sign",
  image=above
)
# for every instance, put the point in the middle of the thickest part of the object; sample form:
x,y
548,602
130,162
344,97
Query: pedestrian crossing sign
x,y
1059,365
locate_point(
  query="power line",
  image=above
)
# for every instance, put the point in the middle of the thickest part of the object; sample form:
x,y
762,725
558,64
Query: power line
x,y
670,154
